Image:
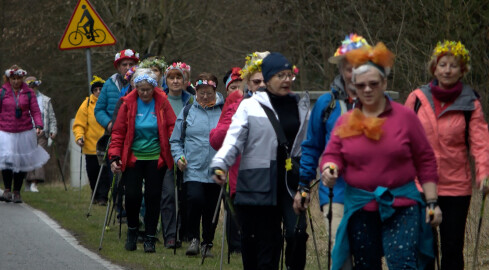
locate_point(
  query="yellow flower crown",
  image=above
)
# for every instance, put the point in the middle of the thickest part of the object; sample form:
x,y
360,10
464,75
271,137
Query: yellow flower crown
x,y
253,64
96,79
456,48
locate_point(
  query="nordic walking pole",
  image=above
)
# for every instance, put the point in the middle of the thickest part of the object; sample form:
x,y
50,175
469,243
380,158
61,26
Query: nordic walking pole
x,y
105,227
177,209
96,183
304,193
59,164
81,162
222,240
431,213
314,238
95,190
214,219
330,216
476,249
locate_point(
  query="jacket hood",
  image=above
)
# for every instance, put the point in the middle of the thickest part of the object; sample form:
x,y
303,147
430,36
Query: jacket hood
x,y
464,102
338,86
219,100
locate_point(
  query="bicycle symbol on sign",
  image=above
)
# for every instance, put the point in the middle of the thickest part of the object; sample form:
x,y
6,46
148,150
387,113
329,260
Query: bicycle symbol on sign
x,y
76,37
86,30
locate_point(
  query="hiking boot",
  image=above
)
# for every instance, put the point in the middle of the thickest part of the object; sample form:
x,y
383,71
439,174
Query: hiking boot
x,y
149,244
34,187
17,198
193,248
7,195
172,243
205,250
132,238
102,202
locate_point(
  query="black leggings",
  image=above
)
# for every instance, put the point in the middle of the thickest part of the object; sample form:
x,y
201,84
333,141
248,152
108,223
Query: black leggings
x,y
133,181
452,230
201,202
17,177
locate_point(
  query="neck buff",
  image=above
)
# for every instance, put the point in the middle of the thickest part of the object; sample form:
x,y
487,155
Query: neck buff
x,y
445,95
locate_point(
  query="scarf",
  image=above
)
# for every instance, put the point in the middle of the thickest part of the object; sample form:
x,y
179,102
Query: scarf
x,y
445,95
356,123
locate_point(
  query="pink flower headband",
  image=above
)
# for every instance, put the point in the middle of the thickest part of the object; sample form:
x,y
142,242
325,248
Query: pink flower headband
x,y
205,82
180,65
16,72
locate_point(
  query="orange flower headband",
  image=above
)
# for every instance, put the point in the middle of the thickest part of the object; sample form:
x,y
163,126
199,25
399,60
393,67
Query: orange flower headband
x,y
378,56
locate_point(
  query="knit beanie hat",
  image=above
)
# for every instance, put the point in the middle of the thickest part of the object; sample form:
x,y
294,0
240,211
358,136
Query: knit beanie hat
x,y
97,82
273,64
232,76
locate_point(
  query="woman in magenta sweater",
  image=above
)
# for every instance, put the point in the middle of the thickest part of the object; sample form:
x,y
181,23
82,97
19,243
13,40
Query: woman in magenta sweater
x,y
19,152
379,148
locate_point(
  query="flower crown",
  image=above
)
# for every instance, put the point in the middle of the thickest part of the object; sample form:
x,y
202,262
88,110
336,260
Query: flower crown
x,y
154,62
379,56
130,72
35,82
180,65
205,82
351,42
452,47
253,63
15,72
97,79
145,77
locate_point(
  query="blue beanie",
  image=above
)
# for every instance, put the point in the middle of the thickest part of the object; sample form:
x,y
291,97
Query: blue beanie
x,y
273,64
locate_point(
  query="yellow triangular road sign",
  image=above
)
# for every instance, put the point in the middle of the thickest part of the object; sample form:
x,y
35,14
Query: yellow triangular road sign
x,y
85,29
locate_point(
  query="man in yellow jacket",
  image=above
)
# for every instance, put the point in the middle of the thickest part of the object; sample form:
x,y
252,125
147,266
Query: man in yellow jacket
x,y
87,132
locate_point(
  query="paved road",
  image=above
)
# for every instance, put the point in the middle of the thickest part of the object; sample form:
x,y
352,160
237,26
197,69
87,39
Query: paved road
x,y
31,240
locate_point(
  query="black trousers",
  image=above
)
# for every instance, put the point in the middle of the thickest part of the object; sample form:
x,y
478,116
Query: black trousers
x,y
167,206
93,169
261,239
18,178
452,230
201,203
133,181
233,235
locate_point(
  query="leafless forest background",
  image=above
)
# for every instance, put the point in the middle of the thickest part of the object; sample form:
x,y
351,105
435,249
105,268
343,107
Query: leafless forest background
x,y
215,35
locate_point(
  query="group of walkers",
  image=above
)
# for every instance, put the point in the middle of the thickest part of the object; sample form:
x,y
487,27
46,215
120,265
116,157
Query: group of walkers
x,y
390,174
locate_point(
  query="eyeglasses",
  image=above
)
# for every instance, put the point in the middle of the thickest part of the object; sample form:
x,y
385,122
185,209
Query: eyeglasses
x,y
206,94
257,81
283,76
371,85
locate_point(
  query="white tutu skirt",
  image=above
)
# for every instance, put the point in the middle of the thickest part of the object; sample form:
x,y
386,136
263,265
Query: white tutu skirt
x,y
19,152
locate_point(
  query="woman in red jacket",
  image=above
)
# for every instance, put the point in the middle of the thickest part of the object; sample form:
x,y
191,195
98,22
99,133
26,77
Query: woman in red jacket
x,y
452,116
140,148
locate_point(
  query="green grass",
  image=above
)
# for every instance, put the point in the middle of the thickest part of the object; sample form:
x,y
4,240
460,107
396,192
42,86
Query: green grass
x,y
69,210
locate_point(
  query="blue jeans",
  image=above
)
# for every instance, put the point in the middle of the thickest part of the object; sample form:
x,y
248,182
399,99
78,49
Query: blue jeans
x,y
395,238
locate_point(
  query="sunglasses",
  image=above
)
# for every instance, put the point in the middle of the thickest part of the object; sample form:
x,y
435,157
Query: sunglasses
x,y
371,85
256,81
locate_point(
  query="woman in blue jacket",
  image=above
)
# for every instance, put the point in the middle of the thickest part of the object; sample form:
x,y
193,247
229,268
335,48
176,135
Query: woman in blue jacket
x,y
192,153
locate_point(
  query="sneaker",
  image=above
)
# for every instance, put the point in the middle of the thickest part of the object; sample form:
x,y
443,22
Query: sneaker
x,y
172,243
132,238
27,187
7,196
149,244
205,250
193,248
34,187
17,198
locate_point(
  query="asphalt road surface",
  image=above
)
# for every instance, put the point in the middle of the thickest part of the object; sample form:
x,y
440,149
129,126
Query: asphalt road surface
x,y
31,240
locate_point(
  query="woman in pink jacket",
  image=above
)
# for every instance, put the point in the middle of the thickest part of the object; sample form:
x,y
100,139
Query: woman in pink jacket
x,y
452,117
19,152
